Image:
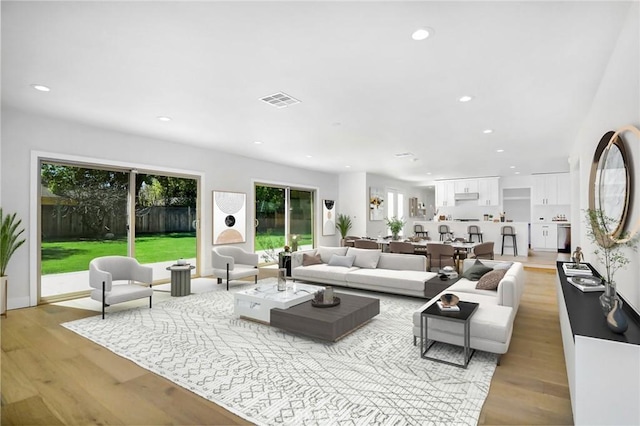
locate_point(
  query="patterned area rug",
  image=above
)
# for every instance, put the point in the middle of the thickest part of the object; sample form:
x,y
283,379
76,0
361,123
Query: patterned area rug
x,y
374,376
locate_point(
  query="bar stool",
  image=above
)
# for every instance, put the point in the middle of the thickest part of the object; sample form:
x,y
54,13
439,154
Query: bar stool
x,y
509,231
444,230
474,230
419,231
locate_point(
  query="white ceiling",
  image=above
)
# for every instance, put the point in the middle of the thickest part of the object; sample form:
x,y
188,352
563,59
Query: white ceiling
x,y
368,90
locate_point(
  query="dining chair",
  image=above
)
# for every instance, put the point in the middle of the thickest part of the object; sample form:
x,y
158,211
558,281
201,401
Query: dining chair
x,y
401,247
440,255
483,251
366,244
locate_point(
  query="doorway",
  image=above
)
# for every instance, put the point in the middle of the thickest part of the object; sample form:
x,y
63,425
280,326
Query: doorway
x,y
283,216
88,211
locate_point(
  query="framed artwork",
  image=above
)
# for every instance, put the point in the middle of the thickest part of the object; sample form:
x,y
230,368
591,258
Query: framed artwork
x,y
328,217
229,217
376,203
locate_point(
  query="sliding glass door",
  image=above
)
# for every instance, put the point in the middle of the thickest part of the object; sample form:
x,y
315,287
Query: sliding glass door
x,y
88,212
283,216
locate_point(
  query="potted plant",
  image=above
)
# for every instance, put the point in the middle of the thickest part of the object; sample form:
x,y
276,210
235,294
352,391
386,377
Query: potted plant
x,y
609,253
343,224
395,225
9,243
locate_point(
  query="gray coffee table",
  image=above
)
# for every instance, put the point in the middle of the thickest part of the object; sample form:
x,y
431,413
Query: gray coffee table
x,y
327,323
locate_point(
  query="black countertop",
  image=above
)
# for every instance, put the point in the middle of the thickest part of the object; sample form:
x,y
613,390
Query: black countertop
x,y
585,314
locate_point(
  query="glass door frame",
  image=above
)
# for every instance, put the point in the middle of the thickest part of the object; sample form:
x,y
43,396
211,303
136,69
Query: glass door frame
x,y
35,228
287,187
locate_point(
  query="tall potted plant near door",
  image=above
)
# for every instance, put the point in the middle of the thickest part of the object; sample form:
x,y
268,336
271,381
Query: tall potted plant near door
x,y
9,242
344,224
395,225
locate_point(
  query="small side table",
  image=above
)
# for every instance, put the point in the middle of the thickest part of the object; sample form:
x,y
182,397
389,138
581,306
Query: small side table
x,y
180,279
284,261
467,309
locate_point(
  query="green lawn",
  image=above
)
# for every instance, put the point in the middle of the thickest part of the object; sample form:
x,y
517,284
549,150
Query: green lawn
x,y
70,256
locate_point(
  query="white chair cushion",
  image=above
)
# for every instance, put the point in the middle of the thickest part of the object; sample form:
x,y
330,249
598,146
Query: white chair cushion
x,y
239,271
122,293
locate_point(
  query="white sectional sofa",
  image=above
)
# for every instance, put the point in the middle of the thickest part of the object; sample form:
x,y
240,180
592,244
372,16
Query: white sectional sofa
x,y
371,270
492,324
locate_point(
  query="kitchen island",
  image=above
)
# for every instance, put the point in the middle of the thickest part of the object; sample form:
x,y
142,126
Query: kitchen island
x,y
490,232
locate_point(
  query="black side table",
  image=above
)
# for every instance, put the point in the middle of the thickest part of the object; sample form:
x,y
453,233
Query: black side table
x,y
284,261
467,309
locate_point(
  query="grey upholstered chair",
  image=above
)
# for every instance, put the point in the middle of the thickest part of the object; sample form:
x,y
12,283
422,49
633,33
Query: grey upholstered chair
x,y
483,251
509,231
232,263
440,255
401,247
103,271
366,244
445,232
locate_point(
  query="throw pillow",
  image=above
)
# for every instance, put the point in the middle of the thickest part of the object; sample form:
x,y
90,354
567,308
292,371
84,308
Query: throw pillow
x,y
490,280
326,252
503,265
365,258
308,259
337,260
475,272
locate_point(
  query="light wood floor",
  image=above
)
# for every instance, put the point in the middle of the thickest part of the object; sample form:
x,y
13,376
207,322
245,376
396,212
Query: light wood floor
x,y
52,376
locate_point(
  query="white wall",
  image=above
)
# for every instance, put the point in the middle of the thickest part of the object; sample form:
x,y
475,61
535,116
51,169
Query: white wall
x,y
354,200
24,133
616,104
379,227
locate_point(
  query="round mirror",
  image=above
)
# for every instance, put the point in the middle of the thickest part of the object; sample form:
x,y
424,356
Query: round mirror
x,y
610,185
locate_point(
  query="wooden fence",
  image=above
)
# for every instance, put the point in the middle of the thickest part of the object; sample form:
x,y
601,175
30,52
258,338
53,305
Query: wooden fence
x,y
153,220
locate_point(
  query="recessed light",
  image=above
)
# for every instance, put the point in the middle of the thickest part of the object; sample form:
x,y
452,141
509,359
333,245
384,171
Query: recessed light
x,y
465,98
512,167
163,118
41,87
499,150
517,173
257,142
422,34
309,156
429,173
487,131
347,167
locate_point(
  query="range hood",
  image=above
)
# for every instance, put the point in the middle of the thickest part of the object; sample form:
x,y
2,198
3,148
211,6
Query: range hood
x,y
461,196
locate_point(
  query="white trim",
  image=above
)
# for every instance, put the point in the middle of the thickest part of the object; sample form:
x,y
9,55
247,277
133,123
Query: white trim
x,y
37,156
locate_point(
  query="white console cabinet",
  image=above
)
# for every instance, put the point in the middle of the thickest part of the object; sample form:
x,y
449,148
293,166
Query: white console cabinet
x,y
544,236
603,368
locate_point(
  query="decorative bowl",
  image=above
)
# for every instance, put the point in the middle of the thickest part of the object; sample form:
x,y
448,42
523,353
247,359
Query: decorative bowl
x,y
449,299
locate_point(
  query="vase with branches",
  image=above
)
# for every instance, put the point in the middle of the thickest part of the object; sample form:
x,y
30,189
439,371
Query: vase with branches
x,y
609,251
395,225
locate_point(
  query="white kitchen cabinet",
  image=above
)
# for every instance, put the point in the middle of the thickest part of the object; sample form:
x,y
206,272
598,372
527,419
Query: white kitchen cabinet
x,y
544,236
551,189
465,186
489,191
445,193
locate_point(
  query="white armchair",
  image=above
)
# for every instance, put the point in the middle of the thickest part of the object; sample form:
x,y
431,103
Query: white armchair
x,y
103,271
232,263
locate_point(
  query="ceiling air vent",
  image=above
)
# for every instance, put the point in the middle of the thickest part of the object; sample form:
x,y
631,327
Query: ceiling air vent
x,y
280,100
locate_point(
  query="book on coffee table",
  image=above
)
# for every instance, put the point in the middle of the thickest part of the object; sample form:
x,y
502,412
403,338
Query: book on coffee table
x,y
448,308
